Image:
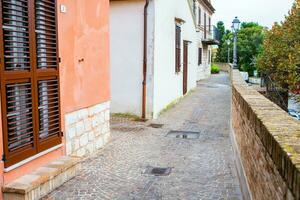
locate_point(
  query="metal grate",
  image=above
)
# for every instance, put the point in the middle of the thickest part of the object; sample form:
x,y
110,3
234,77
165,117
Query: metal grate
x,y
183,134
153,125
158,171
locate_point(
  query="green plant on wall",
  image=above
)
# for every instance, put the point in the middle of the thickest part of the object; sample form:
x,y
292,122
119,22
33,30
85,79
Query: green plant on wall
x,y
215,69
281,50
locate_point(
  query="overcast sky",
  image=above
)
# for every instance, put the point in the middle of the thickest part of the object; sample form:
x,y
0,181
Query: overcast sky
x,y
265,12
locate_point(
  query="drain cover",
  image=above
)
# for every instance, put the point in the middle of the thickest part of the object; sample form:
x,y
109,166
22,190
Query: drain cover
x,y
158,171
183,134
156,125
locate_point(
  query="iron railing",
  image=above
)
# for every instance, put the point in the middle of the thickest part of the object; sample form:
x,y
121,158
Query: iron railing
x,y
275,92
210,33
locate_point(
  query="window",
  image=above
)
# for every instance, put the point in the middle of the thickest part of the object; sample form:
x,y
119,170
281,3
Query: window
x,y
194,8
199,16
199,56
178,48
209,25
205,26
30,78
209,57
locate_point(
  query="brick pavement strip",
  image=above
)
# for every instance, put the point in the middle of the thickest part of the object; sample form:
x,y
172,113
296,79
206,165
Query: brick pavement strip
x,y
201,168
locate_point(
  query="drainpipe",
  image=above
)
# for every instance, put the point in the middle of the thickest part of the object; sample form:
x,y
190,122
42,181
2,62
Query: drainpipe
x,y
144,103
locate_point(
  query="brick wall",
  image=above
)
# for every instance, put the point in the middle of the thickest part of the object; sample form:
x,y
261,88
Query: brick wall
x,y
266,145
87,130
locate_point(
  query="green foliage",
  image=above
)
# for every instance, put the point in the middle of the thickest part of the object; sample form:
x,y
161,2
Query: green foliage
x,y
281,50
250,40
215,69
221,55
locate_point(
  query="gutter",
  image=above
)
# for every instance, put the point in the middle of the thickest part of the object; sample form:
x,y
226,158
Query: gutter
x,y
145,58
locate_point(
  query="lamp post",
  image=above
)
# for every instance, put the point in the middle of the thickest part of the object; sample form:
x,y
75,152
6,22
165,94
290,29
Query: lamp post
x,y
228,56
235,27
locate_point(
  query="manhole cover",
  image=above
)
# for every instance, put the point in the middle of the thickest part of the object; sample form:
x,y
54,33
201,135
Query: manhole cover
x,y
158,171
156,125
184,134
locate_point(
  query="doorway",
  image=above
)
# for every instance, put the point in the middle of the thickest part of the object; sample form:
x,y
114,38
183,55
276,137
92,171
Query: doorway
x,y
185,65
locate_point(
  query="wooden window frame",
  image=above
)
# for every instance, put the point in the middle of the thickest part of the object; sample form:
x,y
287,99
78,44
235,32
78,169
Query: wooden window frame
x,y
32,76
199,16
205,26
177,48
200,56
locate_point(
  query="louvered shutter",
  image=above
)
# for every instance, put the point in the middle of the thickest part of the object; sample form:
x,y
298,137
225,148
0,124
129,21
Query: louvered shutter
x,y
48,76
199,56
199,16
29,78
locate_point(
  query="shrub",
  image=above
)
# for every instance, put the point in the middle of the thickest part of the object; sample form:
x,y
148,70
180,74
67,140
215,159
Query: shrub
x,y
215,69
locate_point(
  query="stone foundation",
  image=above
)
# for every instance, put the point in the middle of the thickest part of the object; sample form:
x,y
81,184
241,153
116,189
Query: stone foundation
x,y
87,130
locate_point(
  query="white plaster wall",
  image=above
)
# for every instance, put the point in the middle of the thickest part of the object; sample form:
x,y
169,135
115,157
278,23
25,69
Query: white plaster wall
x,y
126,56
203,70
126,43
168,85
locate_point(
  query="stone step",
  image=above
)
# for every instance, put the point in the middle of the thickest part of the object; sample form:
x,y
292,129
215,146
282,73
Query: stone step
x,y
43,180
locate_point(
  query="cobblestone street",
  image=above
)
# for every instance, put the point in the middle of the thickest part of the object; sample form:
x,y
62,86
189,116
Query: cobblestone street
x,y
201,168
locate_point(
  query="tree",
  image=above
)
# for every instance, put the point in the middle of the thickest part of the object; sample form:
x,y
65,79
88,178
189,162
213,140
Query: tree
x,y
250,40
280,58
220,53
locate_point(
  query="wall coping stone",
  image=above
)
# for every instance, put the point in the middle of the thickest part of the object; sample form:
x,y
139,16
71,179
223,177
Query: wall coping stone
x,y
277,130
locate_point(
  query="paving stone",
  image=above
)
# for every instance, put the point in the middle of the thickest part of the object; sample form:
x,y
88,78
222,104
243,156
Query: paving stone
x,y
201,168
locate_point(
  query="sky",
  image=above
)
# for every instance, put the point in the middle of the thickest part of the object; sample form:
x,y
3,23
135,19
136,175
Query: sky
x,y
265,12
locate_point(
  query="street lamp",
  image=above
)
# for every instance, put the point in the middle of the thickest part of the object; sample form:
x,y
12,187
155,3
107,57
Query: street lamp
x,y
228,44
235,27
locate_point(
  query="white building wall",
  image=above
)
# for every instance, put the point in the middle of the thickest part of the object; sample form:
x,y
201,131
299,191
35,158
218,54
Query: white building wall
x,y
204,69
168,85
126,50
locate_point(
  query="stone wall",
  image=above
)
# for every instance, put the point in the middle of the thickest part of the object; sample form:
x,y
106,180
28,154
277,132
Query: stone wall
x,y
266,145
87,130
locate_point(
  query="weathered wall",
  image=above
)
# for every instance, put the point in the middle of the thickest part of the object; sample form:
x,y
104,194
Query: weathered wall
x,y
83,34
126,40
84,71
168,85
266,142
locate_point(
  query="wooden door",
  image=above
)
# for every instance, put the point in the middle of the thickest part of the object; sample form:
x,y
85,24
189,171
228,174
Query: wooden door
x,y
185,65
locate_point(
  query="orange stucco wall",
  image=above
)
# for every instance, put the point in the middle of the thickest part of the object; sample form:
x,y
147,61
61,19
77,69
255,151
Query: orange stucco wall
x,y
83,45
83,34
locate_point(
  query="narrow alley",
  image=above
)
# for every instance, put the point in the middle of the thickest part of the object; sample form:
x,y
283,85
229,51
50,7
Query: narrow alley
x,y
201,167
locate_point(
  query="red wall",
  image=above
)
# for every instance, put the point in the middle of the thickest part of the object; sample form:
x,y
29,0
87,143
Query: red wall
x,y
83,34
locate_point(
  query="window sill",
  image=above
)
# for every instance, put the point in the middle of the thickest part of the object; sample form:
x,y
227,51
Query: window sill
x,y
8,169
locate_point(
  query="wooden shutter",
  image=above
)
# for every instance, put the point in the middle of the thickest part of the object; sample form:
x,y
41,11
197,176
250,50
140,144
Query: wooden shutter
x,y
178,48
209,25
205,26
199,16
29,78
199,56
47,74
